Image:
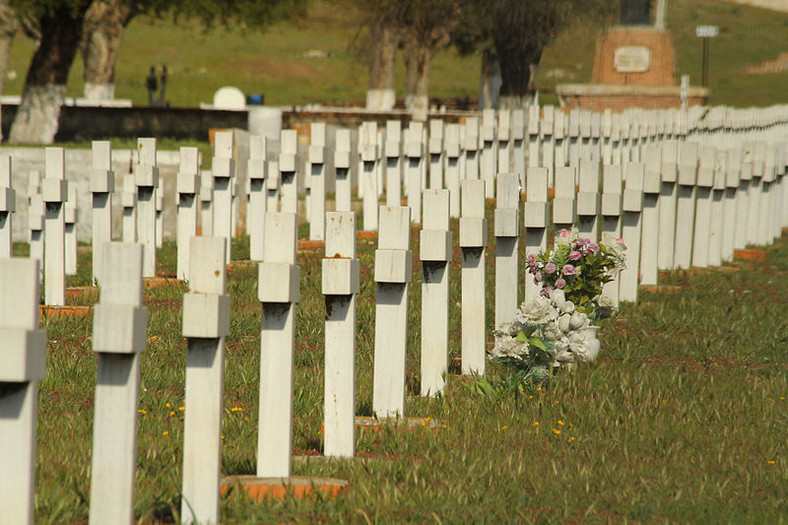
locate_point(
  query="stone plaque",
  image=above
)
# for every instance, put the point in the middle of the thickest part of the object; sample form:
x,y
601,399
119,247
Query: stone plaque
x,y
632,59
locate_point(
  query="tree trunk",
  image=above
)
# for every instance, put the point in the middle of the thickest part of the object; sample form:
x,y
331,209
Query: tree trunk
x,y
8,28
410,54
421,100
516,61
381,95
102,35
45,85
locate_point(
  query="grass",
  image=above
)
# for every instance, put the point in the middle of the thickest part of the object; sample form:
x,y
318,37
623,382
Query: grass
x,y
281,63
682,419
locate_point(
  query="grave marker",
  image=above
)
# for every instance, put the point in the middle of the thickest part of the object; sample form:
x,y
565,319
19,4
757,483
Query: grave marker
x,y
537,218
436,154
317,171
119,330
22,366
102,184
288,185
340,278
413,152
631,228
518,147
685,205
436,253
588,200
611,218
473,242
652,185
256,170
187,185
667,205
369,179
488,155
206,203
342,167
507,232
393,152
705,182
70,231
534,145
548,142
504,142
7,207
54,192
393,266
716,220
453,168
564,204
128,200
146,178
471,147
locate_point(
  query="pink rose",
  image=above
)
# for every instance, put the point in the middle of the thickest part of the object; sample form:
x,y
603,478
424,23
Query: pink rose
x,y
550,268
568,270
575,255
560,283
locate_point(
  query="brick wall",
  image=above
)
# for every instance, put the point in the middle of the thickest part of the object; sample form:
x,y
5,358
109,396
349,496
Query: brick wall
x,y
618,103
661,70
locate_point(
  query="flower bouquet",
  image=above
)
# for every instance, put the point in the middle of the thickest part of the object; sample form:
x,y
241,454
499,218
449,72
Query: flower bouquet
x,y
555,329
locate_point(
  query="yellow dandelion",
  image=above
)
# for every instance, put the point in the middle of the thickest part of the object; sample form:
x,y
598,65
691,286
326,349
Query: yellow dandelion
x,y
428,418
560,422
172,412
222,436
181,408
236,409
246,418
572,438
142,411
770,462
165,433
166,405
535,423
539,389
556,431
504,427
445,426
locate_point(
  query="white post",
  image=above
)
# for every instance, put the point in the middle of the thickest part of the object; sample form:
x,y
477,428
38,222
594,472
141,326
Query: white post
x,y
340,278
70,231
453,168
652,185
584,150
574,137
631,228
564,204
754,204
54,192
369,157
518,145
119,322
436,253
436,154
471,147
596,134
35,220
102,184
7,207
187,185
159,218
534,145
206,322
278,291
742,199
717,222
704,183
146,178
667,205
413,152
342,188
588,199
223,171
287,171
506,224
22,366
685,205
488,154
206,203
611,217
616,145
561,144
393,267
607,132
473,242
317,174
256,170
392,152
505,144
272,190
537,218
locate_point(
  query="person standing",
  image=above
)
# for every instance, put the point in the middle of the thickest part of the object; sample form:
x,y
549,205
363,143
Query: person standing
x,y
152,84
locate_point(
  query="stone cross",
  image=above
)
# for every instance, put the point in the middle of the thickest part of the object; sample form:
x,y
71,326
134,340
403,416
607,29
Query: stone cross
x,y
561,145
414,154
704,184
611,216
436,154
257,199
393,267
392,151
547,131
518,147
534,144
119,322
146,178
342,167
564,203
317,176
736,162
473,242
505,143
188,186
22,366
606,151
453,168
35,220
340,278
272,190
585,144
471,148
223,171
206,323
652,185
287,170
54,192
685,205
536,219
436,253
573,133
716,230
754,205
506,225
102,185
667,205
631,228
596,136
70,231
7,207
206,203
588,200
128,201
369,156
489,155
279,292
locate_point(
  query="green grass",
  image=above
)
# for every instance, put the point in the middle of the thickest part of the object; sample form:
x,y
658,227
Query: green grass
x,y
277,64
682,419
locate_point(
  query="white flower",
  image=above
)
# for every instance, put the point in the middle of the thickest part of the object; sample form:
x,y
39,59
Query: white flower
x,y
539,310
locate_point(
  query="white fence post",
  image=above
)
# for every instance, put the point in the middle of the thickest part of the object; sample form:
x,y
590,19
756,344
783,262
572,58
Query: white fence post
x,y
206,322
340,279
22,366
278,291
119,330
436,253
393,266
473,242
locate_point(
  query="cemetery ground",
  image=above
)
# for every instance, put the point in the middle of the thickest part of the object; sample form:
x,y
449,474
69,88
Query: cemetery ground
x,y
682,418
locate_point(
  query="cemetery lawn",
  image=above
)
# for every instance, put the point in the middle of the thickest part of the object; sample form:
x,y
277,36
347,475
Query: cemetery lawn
x,y
683,418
